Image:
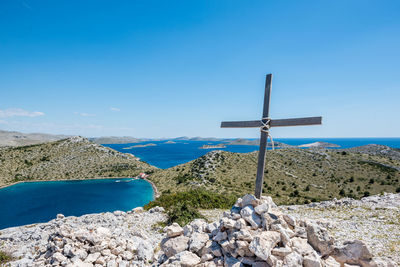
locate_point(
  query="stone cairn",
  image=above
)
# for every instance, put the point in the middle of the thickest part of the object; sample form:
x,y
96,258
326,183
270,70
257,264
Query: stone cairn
x,y
256,233
88,245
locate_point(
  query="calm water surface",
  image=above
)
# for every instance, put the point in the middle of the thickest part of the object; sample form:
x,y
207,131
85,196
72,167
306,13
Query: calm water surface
x,y
34,202
165,155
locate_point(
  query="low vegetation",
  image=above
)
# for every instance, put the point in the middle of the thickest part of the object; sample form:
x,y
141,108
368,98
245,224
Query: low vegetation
x,y
4,258
182,207
292,176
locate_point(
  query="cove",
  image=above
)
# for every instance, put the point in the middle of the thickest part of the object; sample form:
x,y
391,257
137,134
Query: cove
x,y
34,202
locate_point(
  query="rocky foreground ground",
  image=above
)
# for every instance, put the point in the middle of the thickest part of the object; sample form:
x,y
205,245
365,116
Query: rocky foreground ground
x,y
374,220
255,232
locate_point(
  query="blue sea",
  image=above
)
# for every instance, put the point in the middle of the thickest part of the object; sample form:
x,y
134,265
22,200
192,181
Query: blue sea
x,y
34,202
165,155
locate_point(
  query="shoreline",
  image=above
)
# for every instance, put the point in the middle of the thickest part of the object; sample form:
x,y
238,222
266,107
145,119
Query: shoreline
x,y
156,193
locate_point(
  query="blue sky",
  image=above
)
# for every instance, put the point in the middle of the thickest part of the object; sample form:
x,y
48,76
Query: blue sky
x,y
175,68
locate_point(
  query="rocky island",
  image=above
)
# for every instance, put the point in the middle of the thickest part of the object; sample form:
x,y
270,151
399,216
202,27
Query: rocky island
x,y
144,145
212,146
256,142
319,145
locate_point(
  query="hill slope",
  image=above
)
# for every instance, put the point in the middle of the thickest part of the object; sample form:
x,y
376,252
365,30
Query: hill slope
x,y
292,175
8,138
72,158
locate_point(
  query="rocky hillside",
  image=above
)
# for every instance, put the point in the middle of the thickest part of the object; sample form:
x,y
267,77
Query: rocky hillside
x,y
291,176
255,232
8,138
72,158
374,220
377,150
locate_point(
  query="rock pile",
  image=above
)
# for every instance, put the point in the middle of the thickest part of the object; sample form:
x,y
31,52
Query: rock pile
x,y
106,239
256,233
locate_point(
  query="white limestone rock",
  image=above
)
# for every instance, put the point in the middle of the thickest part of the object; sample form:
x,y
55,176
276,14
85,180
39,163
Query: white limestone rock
x,y
319,239
220,236
249,200
92,257
352,252
263,243
175,245
251,216
240,224
232,262
199,225
173,230
260,209
187,259
312,260
293,260
197,241
281,251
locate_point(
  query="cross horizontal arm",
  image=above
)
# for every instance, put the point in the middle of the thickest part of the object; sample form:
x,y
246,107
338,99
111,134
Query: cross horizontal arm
x,y
296,122
241,124
273,123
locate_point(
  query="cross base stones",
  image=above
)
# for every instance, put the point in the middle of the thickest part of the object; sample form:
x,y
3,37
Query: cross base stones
x,y
256,232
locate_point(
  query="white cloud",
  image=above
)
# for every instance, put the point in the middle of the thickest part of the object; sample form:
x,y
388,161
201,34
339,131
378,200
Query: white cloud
x,y
83,114
19,112
3,122
115,109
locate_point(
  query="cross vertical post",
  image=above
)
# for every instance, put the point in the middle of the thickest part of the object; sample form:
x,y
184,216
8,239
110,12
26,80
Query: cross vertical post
x,y
264,137
265,124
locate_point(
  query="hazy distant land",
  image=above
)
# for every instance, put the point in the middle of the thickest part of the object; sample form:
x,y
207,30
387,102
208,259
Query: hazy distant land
x,y
12,138
135,146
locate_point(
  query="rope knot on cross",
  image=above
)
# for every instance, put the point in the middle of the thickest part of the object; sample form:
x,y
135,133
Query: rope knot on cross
x,y
265,124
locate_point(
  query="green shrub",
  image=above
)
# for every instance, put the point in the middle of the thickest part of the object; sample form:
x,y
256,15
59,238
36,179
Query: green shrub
x,y
4,257
182,206
341,192
183,178
182,213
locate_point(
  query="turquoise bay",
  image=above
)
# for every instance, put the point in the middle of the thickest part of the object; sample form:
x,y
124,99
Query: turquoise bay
x,y
34,202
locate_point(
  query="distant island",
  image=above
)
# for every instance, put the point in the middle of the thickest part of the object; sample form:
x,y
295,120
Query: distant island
x,y
256,142
212,146
197,138
319,144
135,146
170,142
12,138
115,140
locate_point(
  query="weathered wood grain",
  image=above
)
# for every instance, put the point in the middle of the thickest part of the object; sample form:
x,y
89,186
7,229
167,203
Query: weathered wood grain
x,y
296,122
241,124
263,138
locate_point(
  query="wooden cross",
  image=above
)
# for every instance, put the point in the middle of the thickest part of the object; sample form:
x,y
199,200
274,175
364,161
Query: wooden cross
x,y
265,124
